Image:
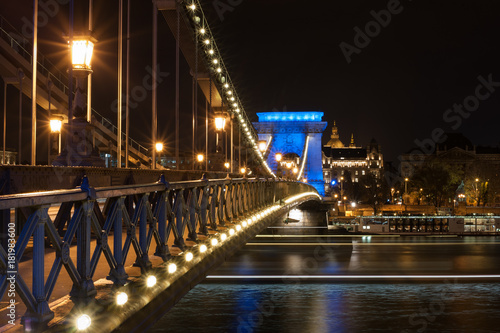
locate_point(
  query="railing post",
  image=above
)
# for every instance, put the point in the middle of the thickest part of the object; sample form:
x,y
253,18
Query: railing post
x,y
204,211
118,275
193,211
228,203
143,261
212,207
161,216
84,293
179,218
221,204
43,314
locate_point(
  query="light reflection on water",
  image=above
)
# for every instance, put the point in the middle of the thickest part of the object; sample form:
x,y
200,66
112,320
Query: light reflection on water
x,y
429,307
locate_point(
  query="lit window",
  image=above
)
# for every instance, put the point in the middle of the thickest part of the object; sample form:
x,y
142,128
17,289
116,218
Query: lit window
x,y
363,172
356,179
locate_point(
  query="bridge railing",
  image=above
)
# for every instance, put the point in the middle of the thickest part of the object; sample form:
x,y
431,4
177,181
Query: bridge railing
x,y
140,213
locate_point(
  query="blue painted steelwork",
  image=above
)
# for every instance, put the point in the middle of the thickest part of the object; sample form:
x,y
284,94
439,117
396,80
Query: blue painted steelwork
x,y
294,133
290,116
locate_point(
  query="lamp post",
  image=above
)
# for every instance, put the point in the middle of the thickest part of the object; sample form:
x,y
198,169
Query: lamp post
x,y
278,158
79,150
159,149
406,191
220,124
200,159
262,146
476,182
55,127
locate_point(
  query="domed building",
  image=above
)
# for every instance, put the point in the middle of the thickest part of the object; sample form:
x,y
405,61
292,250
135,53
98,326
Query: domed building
x,y
340,160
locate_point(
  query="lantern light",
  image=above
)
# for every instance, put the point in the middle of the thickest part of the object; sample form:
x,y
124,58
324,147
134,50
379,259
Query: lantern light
x,y
159,147
262,146
81,53
220,122
55,125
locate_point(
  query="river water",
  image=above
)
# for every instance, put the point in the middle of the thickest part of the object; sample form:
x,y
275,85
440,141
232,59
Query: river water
x,y
303,277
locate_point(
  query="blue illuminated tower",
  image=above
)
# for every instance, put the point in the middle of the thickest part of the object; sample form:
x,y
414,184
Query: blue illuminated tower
x,y
298,136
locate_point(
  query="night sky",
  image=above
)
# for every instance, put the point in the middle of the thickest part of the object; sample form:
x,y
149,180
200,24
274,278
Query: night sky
x,y
286,55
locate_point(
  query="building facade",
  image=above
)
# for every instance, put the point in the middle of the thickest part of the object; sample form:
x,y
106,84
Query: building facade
x,y
477,166
341,161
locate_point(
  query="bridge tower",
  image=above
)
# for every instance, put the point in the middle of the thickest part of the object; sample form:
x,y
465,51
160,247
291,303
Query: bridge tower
x,y
295,135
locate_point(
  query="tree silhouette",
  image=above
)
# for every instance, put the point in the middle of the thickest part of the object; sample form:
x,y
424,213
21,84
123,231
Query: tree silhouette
x,y
438,182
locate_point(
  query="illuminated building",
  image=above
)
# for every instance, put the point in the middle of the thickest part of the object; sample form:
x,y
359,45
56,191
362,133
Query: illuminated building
x,y
353,161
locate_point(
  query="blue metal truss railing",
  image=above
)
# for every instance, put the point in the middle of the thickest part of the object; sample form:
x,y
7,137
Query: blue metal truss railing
x,y
145,212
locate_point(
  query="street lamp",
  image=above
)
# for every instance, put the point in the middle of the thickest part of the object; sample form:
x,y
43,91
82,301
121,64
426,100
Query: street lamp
x,y
200,158
55,127
80,150
406,190
159,149
81,54
279,157
227,165
220,124
262,146
477,191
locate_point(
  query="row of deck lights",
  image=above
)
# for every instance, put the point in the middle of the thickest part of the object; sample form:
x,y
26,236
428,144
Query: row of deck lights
x,y
230,94
83,322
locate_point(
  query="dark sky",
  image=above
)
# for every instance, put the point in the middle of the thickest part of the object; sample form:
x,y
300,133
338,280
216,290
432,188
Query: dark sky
x,y
286,55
